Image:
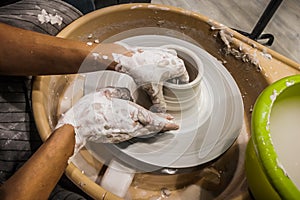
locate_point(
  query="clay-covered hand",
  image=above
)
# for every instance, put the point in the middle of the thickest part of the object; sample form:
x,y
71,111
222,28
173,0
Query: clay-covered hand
x,y
150,67
108,116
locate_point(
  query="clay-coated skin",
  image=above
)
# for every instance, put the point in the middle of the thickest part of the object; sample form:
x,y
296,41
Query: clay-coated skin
x,y
27,53
150,67
107,116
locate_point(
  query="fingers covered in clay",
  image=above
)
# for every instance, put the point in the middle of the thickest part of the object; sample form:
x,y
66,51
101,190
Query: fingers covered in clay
x,y
155,92
150,67
107,116
116,92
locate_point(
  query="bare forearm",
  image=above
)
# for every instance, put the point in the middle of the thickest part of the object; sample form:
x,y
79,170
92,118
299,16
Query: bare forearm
x,y
25,52
38,176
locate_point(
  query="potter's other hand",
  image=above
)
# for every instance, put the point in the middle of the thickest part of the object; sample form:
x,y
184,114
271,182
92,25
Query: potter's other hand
x,y
150,67
107,116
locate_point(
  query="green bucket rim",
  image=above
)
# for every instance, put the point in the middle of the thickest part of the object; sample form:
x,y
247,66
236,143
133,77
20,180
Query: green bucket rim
x,y
261,137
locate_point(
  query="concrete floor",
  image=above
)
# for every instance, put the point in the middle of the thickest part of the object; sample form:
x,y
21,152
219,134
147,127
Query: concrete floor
x,y
244,14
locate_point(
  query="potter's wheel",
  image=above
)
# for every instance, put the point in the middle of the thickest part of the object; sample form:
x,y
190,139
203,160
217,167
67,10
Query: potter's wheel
x,y
207,129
